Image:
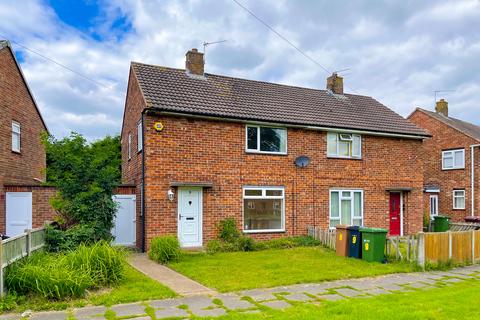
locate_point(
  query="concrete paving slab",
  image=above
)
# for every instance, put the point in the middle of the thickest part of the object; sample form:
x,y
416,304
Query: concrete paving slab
x,y
377,291
170,313
277,304
259,295
50,315
331,297
10,317
166,276
131,309
167,303
419,285
216,312
89,312
300,297
346,292
393,287
234,302
197,302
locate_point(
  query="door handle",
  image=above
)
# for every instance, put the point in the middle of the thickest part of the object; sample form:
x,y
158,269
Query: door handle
x,y
394,218
179,217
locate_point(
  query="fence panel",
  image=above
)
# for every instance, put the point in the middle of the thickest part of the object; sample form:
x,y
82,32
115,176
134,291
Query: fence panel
x,y
461,246
476,245
326,237
437,247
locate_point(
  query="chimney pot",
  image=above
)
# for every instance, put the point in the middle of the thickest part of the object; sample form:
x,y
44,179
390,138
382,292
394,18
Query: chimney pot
x,y
194,63
442,107
335,83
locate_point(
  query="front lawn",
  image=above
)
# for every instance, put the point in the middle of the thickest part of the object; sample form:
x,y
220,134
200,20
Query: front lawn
x,y
269,268
135,286
457,301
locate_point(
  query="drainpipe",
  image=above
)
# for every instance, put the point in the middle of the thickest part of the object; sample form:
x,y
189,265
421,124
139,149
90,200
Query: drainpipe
x,y
472,160
142,198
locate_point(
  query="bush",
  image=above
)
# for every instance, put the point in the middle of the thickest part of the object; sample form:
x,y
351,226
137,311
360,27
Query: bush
x,y
289,242
246,244
63,275
164,249
228,230
215,246
59,240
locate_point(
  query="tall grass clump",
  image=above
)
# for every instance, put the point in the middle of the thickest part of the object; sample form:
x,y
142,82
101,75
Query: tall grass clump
x,y
63,275
164,249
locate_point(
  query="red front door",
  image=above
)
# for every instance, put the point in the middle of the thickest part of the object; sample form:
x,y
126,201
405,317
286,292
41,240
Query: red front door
x,y
395,218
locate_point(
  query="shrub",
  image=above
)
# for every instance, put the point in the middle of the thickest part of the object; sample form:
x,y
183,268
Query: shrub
x,y
228,230
289,242
59,240
245,244
103,263
62,275
215,246
164,249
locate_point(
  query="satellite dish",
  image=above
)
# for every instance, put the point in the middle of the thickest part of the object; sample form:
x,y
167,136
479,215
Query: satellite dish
x,y
302,161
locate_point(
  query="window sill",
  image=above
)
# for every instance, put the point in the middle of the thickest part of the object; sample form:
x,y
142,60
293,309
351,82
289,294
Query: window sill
x,y
17,152
266,152
139,151
265,231
345,158
449,169
459,209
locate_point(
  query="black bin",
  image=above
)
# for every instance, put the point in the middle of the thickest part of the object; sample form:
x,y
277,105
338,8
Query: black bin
x,y
354,242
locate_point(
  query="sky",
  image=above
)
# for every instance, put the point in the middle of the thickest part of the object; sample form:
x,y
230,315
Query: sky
x,y
398,52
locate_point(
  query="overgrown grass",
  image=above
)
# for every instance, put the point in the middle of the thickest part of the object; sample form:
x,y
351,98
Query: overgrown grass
x,y
450,302
269,268
134,286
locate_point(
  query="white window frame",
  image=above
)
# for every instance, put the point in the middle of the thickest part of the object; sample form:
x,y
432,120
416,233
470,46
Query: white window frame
x,y
258,139
434,198
263,196
344,137
139,136
129,151
451,153
16,134
340,197
455,197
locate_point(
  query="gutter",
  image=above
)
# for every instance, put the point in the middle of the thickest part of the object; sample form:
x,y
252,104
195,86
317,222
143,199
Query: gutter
x,y
472,178
308,127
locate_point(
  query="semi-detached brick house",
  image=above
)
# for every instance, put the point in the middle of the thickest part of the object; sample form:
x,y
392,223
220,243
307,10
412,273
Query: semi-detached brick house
x,y
22,155
451,163
202,147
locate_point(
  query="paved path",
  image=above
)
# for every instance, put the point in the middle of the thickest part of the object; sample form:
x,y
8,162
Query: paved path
x,y
249,301
177,282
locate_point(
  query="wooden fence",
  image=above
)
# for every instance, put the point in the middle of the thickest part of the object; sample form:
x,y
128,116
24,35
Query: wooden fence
x,y
402,248
326,237
464,226
15,248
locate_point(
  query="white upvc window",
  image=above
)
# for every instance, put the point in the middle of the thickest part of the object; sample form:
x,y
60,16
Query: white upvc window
x,y
129,146
344,145
263,209
260,139
459,199
346,207
16,138
139,136
453,159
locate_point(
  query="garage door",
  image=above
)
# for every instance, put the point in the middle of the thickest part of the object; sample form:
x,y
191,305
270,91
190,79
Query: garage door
x,y
19,212
124,222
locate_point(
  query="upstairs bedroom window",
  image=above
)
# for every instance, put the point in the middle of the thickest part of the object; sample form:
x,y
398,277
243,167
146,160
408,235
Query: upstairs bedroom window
x,y
263,209
266,139
15,136
344,145
453,159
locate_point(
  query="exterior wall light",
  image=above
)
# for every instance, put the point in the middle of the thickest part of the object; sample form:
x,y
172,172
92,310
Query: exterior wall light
x,y
171,194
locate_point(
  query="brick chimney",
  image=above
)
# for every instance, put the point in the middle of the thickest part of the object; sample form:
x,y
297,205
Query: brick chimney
x,y
335,83
194,63
442,107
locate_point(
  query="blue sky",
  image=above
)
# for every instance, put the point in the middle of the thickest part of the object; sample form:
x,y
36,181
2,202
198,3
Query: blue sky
x,y
397,51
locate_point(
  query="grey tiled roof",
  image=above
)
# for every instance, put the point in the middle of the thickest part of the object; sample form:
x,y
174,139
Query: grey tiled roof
x,y
173,90
467,128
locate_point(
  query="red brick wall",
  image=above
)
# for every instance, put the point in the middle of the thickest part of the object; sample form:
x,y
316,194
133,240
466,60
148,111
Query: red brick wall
x,y
444,138
42,211
17,105
211,151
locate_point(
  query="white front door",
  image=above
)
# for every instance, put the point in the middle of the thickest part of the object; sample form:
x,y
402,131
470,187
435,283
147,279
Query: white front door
x,y
190,216
124,222
433,205
19,212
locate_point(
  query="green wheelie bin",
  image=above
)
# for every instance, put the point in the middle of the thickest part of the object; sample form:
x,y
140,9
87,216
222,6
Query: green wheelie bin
x,y
373,244
441,223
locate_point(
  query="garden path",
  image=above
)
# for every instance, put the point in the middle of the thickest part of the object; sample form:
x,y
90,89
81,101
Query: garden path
x,y
256,300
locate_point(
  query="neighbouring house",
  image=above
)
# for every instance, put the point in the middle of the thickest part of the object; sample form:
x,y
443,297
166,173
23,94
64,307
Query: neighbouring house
x,y
451,163
201,147
23,201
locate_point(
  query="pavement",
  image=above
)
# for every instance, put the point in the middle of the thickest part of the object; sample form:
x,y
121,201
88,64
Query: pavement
x,y
253,301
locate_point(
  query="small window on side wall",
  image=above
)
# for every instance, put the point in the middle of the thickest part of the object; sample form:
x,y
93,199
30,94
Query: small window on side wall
x,y
129,146
459,199
344,145
139,136
16,136
266,139
453,159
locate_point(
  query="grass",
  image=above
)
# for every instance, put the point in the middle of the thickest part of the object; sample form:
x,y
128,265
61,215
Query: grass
x,y
269,268
134,287
451,302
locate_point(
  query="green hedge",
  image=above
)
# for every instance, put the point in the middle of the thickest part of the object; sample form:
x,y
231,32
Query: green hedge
x,y
244,243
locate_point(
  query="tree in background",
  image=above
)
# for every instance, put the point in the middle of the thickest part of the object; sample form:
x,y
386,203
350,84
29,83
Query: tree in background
x,y
85,175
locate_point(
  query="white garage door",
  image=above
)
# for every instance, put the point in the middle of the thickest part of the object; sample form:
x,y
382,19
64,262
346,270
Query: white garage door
x,y
124,222
19,212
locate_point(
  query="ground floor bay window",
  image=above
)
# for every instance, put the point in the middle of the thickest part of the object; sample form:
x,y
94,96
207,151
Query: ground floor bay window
x,y
346,207
263,209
